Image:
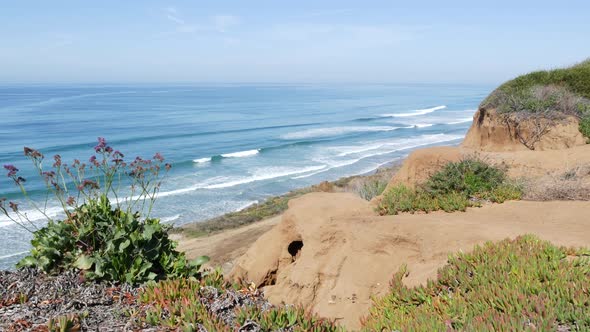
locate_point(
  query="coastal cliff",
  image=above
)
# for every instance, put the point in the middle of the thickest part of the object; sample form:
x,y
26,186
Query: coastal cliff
x,y
332,253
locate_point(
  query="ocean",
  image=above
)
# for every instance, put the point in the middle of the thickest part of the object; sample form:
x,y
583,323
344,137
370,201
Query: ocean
x,y
231,145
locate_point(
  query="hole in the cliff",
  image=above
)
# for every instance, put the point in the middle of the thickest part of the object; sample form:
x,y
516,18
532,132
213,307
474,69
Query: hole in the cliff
x,y
294,249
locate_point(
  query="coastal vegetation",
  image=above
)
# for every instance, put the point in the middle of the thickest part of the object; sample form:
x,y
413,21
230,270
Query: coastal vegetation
x,y
107,252
515,285
549,94
186,304
104,240
457,186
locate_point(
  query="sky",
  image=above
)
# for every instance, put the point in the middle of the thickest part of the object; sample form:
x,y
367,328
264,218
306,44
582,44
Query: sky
x,y
372,41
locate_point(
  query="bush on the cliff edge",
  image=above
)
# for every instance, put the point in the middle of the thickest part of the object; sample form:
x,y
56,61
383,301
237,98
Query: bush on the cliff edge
x,y
514,285
575,79
457,186
548,94
104,240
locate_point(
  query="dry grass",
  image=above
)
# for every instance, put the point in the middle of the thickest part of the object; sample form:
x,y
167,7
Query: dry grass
x,y
573,184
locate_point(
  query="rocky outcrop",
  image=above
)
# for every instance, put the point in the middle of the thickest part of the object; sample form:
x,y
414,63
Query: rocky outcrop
x,y
492,131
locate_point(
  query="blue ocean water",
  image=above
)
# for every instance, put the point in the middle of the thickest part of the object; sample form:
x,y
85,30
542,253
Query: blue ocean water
x,y
230,145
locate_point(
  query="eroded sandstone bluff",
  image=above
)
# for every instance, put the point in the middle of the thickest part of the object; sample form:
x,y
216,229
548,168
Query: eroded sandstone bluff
x,y
331,252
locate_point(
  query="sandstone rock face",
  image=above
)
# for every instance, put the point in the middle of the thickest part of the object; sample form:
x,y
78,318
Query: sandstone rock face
x,y
491,131
330,253
322,255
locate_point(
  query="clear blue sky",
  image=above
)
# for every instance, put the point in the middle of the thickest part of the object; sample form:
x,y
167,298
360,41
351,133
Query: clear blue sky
x,y
288,41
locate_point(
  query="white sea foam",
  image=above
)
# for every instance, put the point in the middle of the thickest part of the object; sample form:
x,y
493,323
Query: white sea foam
x,y
169,219
15,254
220,182
247,205
333,131
414,113
460,121
400,143
265,174
202,160
396,146
423,125
241,154
32,215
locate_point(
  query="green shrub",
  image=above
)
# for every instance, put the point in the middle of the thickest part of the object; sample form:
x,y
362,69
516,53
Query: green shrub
x,y
371,188
403,199
513,285
550,93
457,186
108,244
575,79
469,176
106,241
453,201
503,192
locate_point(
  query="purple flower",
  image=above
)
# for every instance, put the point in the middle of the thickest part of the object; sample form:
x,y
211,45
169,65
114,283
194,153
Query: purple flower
x,y
158,157
94,162
57,159
88,184
32,153
11,170
102,144
71,201
13,206
48,175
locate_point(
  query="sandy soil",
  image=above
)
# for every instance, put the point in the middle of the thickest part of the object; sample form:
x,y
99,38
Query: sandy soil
x,y
349,254
223,248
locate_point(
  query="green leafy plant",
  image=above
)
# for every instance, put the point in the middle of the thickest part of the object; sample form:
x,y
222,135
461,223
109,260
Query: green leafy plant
x,y
400,199
372,188
109,244
470,176
457,186
106,241
515,285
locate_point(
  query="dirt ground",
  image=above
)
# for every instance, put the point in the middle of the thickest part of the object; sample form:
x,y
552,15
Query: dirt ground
x,y
224,247
348,254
